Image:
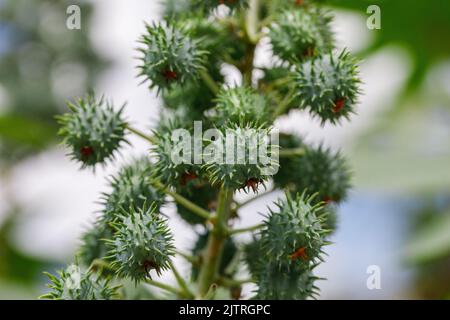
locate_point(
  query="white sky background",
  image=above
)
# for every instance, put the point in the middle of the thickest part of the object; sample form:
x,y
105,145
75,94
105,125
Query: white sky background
x,y
60,200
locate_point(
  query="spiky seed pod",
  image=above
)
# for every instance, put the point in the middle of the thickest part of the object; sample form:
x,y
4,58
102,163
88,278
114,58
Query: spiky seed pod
x,y
229,252
293,235
75,284
238,158
241,106
130,188
329,86
301,34
142,242
209,5
319,171
254,257
93,130
93,242
202,194
176,165
275,283
330,218
170,56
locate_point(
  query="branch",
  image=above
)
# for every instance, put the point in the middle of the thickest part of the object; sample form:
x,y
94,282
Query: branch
x,y
191,259
183,285
210,83
260,195
216,241
294,152
230,283
183,201
282,107
247,229
139,133
164,287
252,21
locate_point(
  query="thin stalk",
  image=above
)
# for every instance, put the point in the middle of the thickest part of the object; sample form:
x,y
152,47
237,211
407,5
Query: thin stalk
x,y
183,285
100,264
191,259
183,201
281,109
210,83
250,26
247,202
141,134
247,229
165,287
215,245
230,283
294,152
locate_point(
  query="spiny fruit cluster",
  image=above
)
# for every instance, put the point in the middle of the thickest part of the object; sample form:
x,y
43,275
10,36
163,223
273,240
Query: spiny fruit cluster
x,y
183,59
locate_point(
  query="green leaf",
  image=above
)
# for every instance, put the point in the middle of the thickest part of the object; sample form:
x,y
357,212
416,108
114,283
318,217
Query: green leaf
x,y
430,243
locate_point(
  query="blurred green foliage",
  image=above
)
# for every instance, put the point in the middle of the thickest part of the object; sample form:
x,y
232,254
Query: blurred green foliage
x,y
422,27
42,63
38,57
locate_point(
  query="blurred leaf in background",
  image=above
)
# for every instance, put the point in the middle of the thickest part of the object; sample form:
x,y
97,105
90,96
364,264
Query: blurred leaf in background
x,y
406,150
42,64
428,250
421,27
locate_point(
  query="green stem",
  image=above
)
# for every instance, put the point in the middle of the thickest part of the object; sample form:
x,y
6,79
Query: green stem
x,y
210,83
191,259
230,283
141,134
183,285
285,103
247,229
100,264
295,152
252,21
165,287
247,202
183,201
250,26
215,245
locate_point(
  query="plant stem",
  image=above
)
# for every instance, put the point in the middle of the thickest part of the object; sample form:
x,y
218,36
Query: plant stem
x,y
183,285
252,21
141,134
191,259
251,34
260,195
227,282
210,83
165,287
281,109
214,248
183,201
247,229
295,152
